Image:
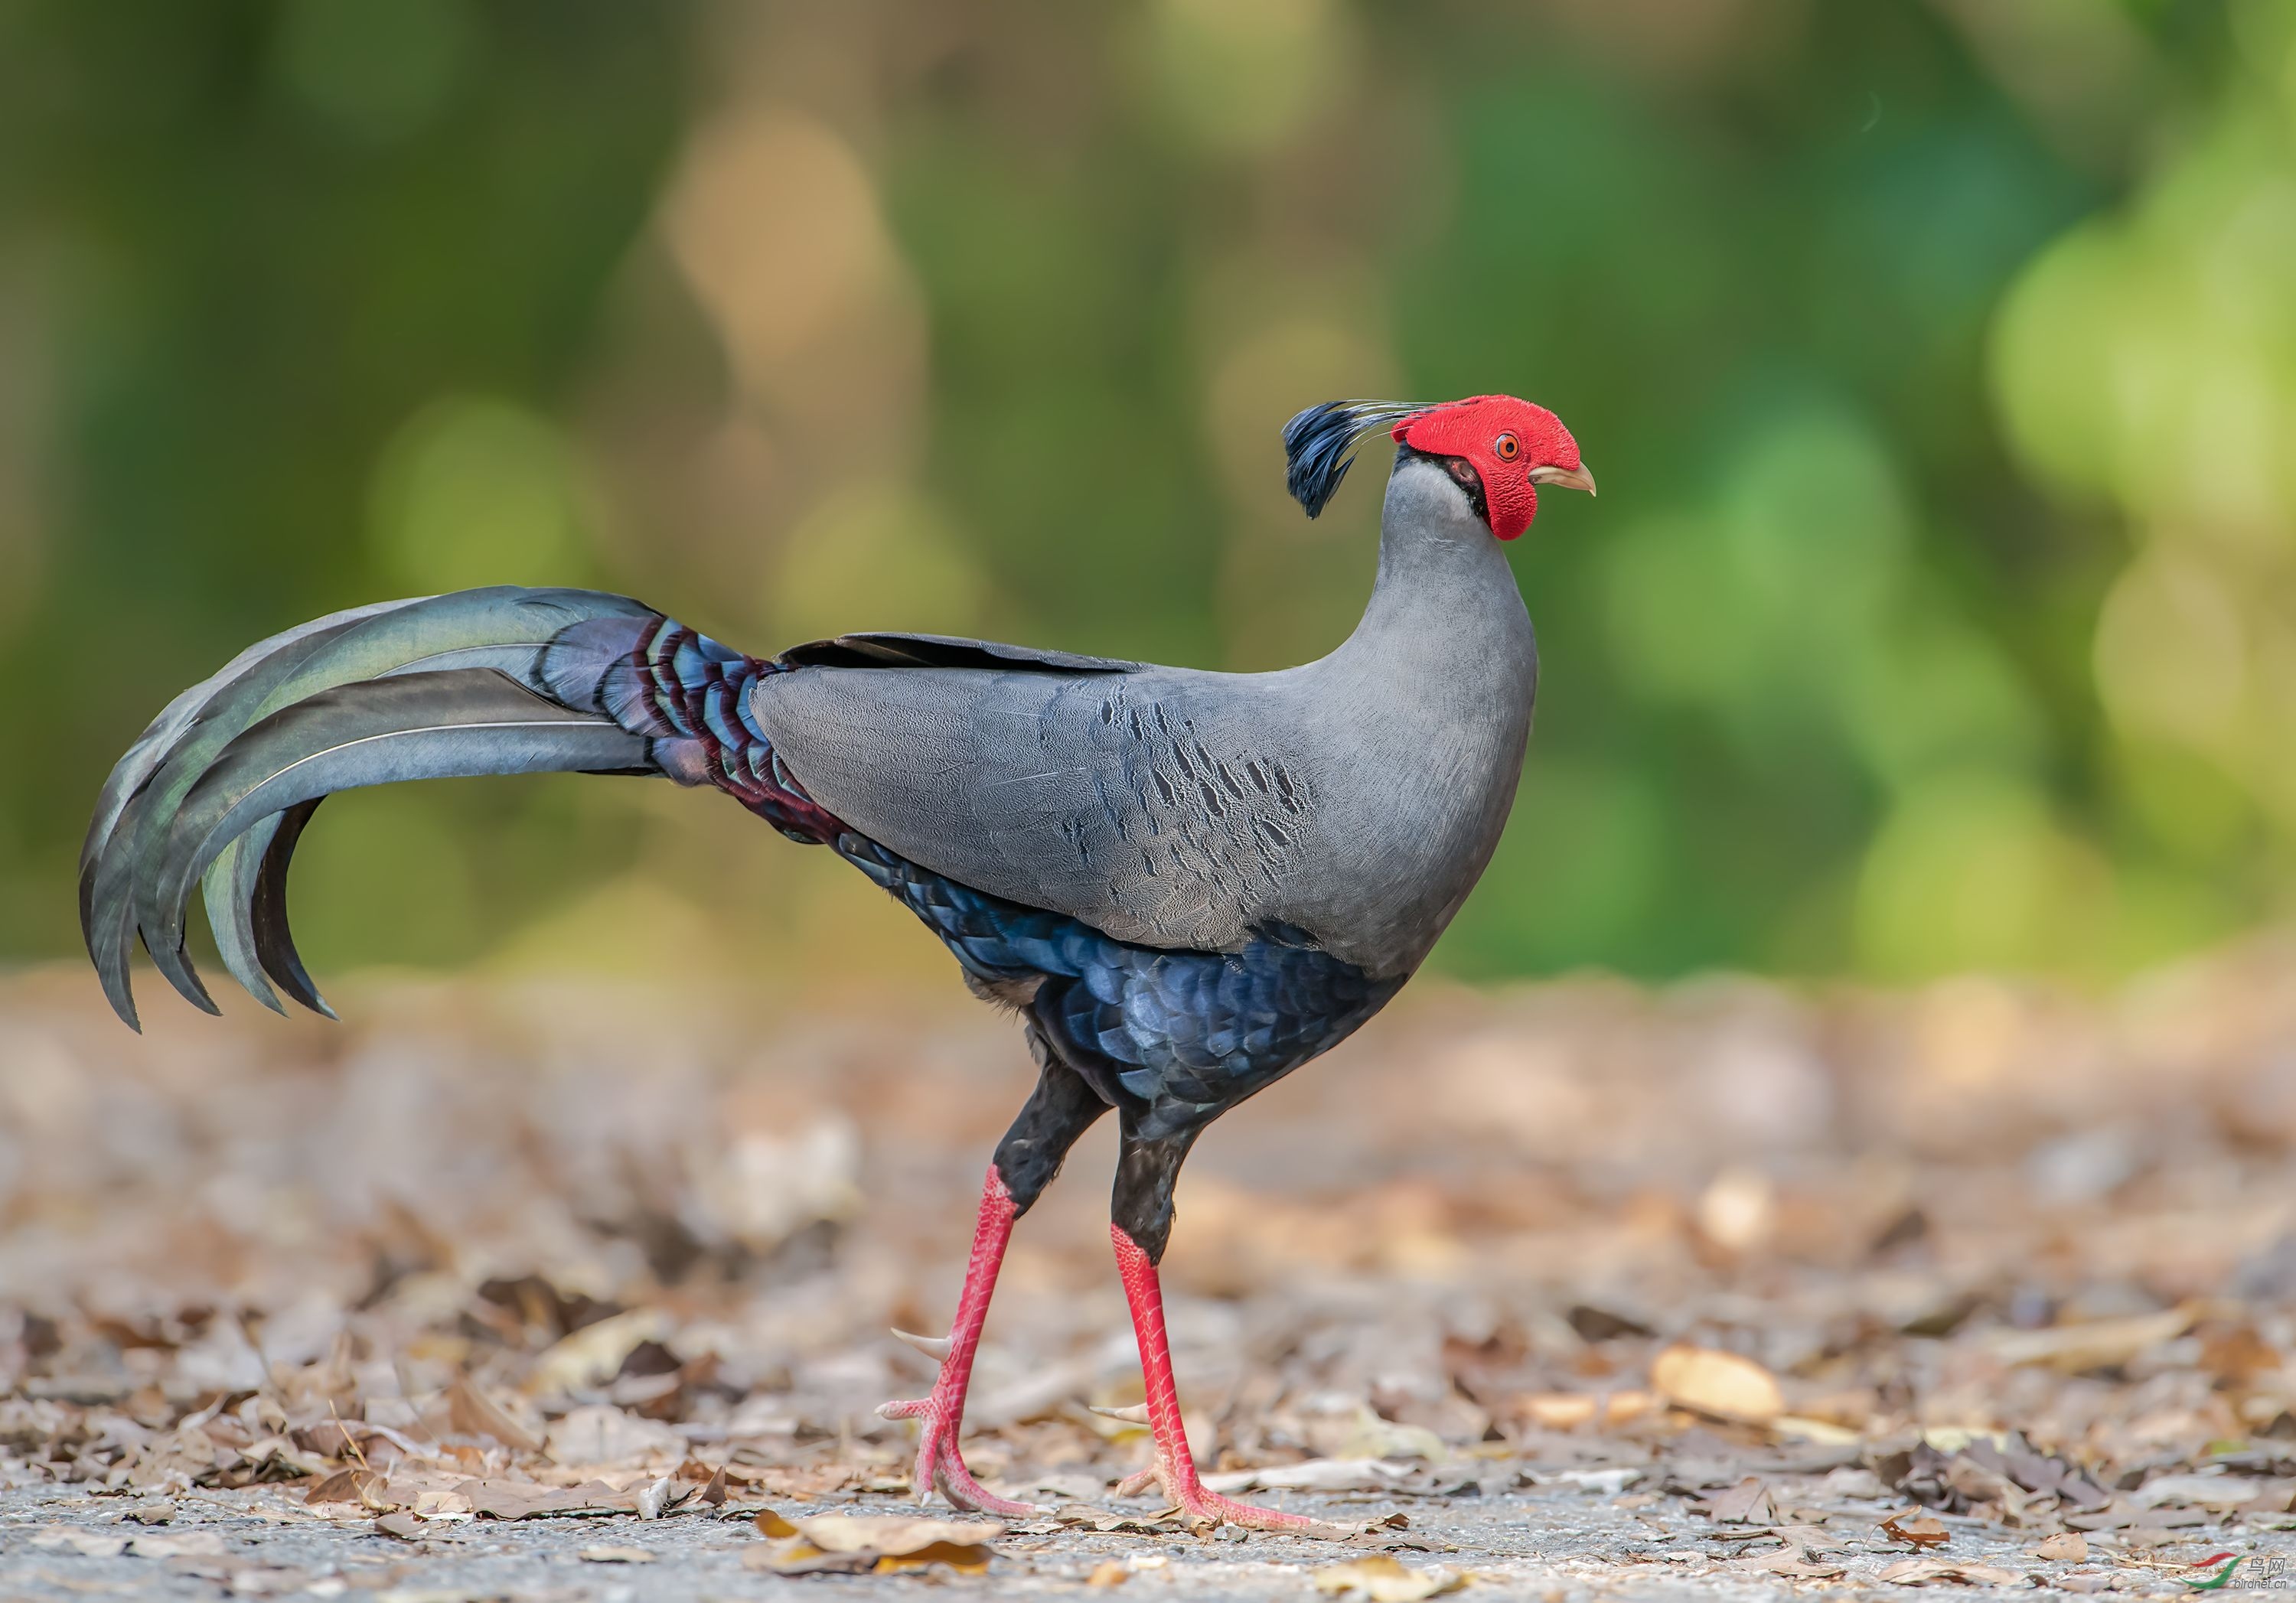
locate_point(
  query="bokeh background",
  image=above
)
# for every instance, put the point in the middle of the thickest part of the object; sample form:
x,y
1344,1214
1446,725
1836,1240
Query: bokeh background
x,y
1938,358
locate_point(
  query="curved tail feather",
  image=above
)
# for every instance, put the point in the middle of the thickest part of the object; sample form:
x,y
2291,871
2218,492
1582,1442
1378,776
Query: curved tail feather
x,y
151,746
459,724
218,789
245,889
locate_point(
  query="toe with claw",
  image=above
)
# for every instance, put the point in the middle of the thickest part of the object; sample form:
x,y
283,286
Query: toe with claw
x,y
1186,1492
941,1464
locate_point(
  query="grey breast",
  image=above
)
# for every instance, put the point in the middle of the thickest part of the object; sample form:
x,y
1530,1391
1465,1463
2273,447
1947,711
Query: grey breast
x,y
1159,805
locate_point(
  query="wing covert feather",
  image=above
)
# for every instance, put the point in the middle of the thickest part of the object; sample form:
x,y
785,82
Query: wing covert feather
x,y
1131,800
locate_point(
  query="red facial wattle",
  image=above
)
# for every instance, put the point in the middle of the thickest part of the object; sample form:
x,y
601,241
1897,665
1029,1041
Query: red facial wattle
x,y
1506,441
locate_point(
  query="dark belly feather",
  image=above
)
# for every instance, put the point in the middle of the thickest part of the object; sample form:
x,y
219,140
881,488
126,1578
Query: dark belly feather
x,y
1173,1037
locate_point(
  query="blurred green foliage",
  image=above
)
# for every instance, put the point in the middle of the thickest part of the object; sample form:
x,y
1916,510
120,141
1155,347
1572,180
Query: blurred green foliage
x,y
1937,359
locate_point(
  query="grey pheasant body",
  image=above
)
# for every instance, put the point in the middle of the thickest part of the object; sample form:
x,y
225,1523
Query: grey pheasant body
x,y
1188,883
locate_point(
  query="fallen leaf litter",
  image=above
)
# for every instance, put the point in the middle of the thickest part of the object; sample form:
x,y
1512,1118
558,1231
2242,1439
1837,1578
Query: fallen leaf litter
x,y
1977,1285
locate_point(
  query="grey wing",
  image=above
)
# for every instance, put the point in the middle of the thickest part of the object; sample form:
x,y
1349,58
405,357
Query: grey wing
x,y
1142,802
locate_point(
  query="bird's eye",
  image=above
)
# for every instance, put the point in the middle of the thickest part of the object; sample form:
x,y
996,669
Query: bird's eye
x,y
1507,446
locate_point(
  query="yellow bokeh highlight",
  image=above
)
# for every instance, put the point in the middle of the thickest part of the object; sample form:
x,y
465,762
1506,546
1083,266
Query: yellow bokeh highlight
x,y
876,556
2145,363
478,491
1241,75
1970,870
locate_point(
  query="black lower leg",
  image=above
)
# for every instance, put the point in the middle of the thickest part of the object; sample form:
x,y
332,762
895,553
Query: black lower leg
x,y
1060,1108
1147,1171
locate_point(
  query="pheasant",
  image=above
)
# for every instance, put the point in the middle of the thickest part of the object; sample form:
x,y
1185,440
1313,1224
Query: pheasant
x,y
1186,884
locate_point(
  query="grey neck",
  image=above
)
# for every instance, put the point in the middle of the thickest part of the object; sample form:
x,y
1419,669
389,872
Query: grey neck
x,y
1423,716
1445,599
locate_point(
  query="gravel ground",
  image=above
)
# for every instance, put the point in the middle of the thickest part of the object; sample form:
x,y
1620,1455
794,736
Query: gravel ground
x,y
1543,1543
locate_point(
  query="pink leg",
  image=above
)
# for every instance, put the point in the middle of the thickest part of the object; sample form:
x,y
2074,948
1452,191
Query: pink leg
x,y
1176,1466
939,1464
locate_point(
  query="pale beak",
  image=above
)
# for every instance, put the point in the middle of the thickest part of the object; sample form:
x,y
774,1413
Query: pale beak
x,y
1576,478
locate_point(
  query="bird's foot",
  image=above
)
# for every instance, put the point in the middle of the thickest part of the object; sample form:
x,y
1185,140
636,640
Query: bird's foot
x,y
1186,1492
941,1464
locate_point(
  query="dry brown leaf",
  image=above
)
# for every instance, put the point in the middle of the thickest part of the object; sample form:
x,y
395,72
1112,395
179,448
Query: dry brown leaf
x,y
592,1355
1609,1480
1793,1563
873,1543
360,1445
1747,1503
470,1412
2101,1344
436,1501
1568,1410
1373,1435
177,1544
78,1539
1379,1578
1633,1403
1915,1529
402,1524
2237,1354
267,1581
599,1433
1914,1571
1824,1432
892,1535
1557,1410
525,1499
964,1557
1083,1517
617,1555
801,1557
364,1487
2214,1493
1712,1382
2066,1547
1108,1572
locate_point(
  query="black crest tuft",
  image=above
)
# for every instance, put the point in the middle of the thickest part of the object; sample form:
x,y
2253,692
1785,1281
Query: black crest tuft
x,y
1319,445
